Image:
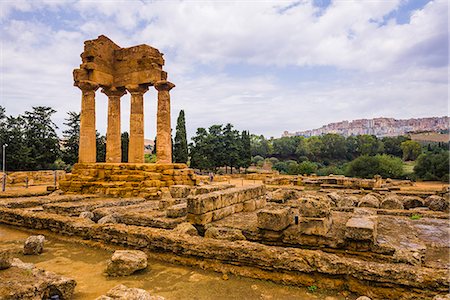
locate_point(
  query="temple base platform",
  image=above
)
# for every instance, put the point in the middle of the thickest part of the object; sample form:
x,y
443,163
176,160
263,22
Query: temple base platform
x,y
126,179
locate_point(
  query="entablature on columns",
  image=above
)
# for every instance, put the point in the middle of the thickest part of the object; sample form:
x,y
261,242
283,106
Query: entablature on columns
x,y
111,66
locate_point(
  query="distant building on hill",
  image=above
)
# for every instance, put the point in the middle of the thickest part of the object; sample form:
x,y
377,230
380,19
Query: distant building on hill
x,y
380,127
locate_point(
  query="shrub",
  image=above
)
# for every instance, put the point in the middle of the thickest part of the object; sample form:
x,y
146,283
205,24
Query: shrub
x,y
256,159
306,167
433,166
368,166
335,170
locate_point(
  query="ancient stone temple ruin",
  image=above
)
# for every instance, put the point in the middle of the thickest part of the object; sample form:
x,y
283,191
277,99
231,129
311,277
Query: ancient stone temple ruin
x,y
116,71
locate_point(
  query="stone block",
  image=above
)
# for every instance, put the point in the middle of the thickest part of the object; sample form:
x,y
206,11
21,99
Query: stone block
x,y
314,226
238,207
369,201
186,228
260,202
275,220
249,205
224,233
201,204
180,191
5,259
361,228
126,262
312,208
123,292
230,197
34,245
391,202
176,211
202,219
222,213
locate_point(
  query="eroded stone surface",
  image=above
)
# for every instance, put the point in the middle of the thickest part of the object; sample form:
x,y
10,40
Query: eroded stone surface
x,y
25,281
122,292
369,201
437,203
34,245
224,233
275,220
126,262
361,228
392,202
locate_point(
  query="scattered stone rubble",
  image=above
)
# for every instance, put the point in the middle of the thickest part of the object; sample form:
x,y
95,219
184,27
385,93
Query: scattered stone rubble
x,y
34,245
126,262
25,281
122,292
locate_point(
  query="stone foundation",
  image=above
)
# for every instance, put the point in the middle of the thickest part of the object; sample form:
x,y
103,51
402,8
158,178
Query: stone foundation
x,y
205,208
126,180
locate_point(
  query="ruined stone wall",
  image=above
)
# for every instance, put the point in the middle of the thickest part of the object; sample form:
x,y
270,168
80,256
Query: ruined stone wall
x,y
206,208
126,180
34,177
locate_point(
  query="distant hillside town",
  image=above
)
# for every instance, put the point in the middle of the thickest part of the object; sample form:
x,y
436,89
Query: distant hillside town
x,y
379,127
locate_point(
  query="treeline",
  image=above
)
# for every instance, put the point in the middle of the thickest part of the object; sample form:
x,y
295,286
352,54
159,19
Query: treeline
x,y
361,156
220,146
33,144
31,141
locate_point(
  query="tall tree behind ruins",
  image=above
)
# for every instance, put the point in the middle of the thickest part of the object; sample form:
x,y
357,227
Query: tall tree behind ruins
x,y
40,136
180,147
71,137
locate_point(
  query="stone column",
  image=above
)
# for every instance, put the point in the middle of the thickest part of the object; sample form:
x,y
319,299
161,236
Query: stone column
x,y
87,146
136,144
113,133
163,129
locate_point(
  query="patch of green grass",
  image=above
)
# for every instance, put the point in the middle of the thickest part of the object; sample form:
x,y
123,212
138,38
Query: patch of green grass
x,y
312,288
408,167
415,217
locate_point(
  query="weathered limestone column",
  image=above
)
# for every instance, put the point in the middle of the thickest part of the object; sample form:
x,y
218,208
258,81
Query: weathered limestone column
x,y
87,147
113,133
163,129
136,144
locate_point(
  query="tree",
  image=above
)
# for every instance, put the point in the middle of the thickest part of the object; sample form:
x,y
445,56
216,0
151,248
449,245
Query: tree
x,y
259,146
100,141
124,141
333,147
232,146
18,154
285,147
392,145
41,137
411,150
180,147
246,154
71,138
433,166
198,151
314,147
369,145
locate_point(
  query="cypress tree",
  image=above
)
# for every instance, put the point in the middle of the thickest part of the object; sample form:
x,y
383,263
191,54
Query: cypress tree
x,y
246,154
180,147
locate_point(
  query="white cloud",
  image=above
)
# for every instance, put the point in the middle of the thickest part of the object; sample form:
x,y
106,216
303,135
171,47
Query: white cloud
x,y
394,70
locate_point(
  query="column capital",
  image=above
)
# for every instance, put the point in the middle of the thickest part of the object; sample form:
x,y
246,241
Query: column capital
x,y
87,86
136,88
114,92
164,85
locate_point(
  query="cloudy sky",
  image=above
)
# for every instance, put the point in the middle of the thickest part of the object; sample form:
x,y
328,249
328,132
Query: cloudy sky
x,y
264,66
